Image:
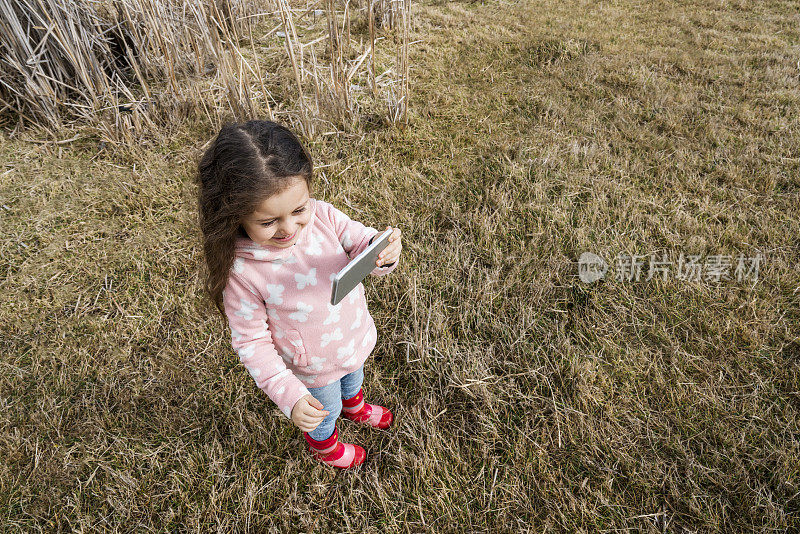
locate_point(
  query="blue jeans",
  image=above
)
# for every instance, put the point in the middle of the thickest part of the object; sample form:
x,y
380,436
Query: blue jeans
x,y
331,398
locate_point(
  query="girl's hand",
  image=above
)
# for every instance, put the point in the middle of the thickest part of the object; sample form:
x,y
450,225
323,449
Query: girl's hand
x,y
392,251
308,413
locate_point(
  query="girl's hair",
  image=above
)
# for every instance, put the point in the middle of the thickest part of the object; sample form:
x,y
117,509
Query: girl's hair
x,y
245,164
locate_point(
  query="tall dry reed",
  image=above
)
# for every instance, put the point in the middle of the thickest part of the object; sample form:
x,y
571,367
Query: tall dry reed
x,y
124,68
339,104
121,67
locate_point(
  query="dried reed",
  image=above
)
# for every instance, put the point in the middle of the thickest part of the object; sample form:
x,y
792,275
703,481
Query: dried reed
x,y
332,81
133,66
119,66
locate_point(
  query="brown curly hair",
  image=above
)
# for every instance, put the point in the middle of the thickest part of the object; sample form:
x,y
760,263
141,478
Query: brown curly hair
x,y
245,164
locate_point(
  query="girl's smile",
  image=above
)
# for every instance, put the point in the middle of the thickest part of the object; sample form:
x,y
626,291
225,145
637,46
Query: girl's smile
x,y
286,238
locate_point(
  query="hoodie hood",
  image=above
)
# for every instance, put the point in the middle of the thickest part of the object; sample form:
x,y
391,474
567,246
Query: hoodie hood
x,y
247,248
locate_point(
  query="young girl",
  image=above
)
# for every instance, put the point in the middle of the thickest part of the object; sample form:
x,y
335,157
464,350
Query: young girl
x,y
271,252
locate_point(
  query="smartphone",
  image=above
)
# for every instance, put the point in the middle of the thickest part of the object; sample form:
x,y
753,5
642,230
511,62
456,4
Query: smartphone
x,y
354,272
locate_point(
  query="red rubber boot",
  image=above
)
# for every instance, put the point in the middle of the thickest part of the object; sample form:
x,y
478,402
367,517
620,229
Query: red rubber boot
x,y
333,452
359,411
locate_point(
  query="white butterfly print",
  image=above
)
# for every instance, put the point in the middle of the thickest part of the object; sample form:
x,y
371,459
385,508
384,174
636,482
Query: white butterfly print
x,y
316,363
333,317
279,333
280,390
235,334
247,309
258,254
275,291
304,280
287,355
350,362
346,241
262,332
367,339
247,352
273,313
327,338
277,263
301,315
354,295
254,371
307,379
282,371
238,265
296,342
357,322
347,350
314,247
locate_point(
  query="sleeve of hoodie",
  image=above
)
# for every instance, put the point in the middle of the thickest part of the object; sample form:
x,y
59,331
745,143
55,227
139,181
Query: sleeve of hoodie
x,y
252,341
354,236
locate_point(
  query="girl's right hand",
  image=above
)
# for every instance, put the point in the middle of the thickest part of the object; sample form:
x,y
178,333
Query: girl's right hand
x,y
308,413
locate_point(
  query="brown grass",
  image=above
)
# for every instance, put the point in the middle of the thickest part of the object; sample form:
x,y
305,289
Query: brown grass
x,y
525,400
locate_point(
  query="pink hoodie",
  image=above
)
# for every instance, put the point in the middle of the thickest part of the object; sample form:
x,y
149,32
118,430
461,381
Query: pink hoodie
x,y
278,303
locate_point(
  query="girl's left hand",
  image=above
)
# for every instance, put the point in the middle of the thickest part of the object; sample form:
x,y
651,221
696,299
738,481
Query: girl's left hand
x,y
392,251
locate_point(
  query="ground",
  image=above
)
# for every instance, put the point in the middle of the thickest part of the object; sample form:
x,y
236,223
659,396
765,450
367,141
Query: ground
x,y
525,399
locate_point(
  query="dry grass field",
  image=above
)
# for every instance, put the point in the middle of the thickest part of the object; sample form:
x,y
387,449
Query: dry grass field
x,y
525,399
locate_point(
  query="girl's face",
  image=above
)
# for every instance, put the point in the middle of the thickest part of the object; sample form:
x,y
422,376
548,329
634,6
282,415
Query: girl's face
x,y
281,215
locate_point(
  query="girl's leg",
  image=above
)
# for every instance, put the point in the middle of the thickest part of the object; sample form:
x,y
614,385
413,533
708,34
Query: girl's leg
x,y
330,397
351,383
356,409
324,440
